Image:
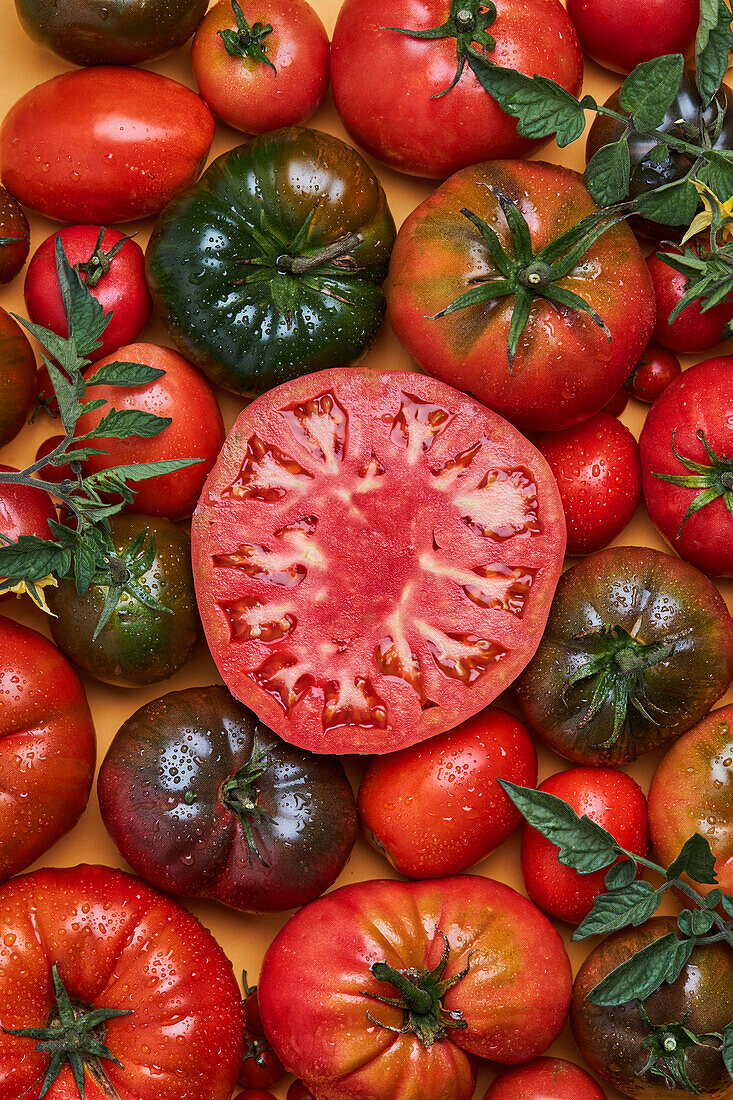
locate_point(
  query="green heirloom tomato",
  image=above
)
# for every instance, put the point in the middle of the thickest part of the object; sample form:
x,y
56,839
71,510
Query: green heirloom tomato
x,y
139,645
271,265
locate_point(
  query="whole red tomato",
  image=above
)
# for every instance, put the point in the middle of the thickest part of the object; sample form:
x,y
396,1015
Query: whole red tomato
x,y
691,793
173,1026
395,84
47,747
606,796
262,66
437,808
467,967
112,267
620,34
15,236
565,368
251,1003
102,145
261,1067
545,1079
597,469
196,431
692,330
18,378
686,449
652,374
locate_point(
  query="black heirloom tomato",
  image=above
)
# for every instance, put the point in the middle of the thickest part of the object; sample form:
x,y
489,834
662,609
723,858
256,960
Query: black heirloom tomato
x,y
638,647
110,32
271,265
204,800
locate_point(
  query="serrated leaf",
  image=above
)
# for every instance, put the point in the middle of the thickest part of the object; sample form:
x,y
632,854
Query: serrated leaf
x,y
632,905
650,89
142,471
713,43
123,423
86,559
673,204
608,172
720,173
657,964
695,860
85,316
33,558
55,345
124,374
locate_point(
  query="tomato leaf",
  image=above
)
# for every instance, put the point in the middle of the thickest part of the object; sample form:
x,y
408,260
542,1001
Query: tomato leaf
x,y
620,874
727,1051
584,845
122,423
649,90
714,41
695,860
32,557
608,172
632,905
85,316
673,204
658,963
124,374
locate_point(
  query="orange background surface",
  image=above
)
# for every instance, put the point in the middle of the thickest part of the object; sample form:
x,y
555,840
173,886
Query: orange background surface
x,y
245,938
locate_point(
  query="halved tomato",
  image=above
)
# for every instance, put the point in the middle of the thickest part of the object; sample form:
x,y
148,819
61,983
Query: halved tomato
x,y
375,554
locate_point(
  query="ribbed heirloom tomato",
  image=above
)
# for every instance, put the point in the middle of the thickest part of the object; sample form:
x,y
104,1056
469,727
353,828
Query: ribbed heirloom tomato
x,y
374,556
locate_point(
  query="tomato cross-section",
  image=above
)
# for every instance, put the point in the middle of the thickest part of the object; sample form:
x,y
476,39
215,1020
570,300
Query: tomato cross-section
x,y
375,555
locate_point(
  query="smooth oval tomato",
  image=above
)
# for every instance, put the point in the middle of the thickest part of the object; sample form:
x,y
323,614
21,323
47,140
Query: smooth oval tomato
x,y
110,265
597,469
638,647
374,556
620,34
238,814
608,797
47,746
686,449
615,1040
138,645
691,793
118,945
653,373
545,1079
285,243
387,85
15,236
491,960
112,144
97,32
18,378
437,808
565,368
271,71
692,330
196,431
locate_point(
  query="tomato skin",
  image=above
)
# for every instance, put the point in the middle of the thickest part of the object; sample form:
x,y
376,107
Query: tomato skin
x,y
690,793
597,469
255,1094
620,34
24,510
13,225
545,1079
618,402
118,944
245,92
197,429
514,997
298,1091
47,743
611,1038
122,291
436,809
18,378
656,369
692,331
53,473
261,1067
385,92
565,369
120,143
700,399
614,801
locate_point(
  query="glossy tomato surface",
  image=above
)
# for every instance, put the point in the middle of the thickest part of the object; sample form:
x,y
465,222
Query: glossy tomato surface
x,y
15,236
117,945
510,985
545,1079
605,795
565,368
387,85
47,747
653,373
113,144
261,1068
285,241
374,554
620,34
630,625
248,92
695,518
238,815
23,511
436,808
181,395
693,330
18,378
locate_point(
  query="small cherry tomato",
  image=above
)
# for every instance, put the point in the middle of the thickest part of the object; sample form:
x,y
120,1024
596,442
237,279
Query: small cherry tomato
x,y
18,378
692,330
53,473
113,268
620,34
298,1091
261,64
607,796
15,236
618,402
596,466
652,374
261,1067
545,1079
437,808
251,1002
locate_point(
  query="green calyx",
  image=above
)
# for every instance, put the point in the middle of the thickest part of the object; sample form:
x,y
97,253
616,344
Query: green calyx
x,y
527,275
245,41
74,1034
240,795
468,23
714,480
618,670
100,261
421,994
667,1045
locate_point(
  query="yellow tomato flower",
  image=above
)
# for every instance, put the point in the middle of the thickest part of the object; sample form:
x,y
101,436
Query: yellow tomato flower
x,y
704,219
